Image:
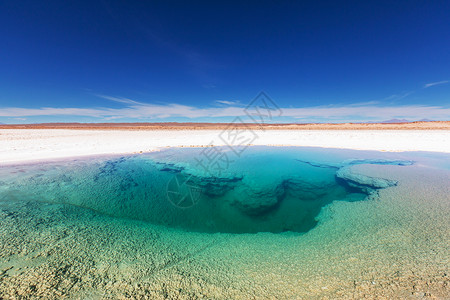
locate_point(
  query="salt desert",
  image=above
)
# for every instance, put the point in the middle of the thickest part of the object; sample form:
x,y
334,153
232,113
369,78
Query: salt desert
x,y
34,144
224,150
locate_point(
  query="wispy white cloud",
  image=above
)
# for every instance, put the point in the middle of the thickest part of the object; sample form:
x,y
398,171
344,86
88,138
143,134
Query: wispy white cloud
x,y
225,102
435,83
119,99
149,112
366,112
364,103
399,96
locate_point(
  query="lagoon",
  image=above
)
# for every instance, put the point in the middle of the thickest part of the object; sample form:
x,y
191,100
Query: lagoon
x,y
220,222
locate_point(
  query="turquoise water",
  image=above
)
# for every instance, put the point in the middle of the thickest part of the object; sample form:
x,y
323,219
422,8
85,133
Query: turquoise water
x,y
263,190
273,223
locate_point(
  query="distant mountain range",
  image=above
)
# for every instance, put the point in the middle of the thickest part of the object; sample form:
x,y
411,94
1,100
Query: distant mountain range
x,y
393,121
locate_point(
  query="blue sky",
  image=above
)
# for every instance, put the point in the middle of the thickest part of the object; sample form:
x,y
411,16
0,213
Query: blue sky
x,y
156,61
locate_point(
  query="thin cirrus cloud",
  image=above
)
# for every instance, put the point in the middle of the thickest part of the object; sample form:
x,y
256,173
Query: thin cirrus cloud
x,y
148,112
435,83
119,99
225,102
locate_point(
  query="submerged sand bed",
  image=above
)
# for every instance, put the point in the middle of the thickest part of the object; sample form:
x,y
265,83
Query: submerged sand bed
x,y
20,145
392,247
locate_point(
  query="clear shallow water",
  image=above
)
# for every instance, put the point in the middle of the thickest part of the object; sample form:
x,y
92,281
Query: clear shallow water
x,y
331,224
263,190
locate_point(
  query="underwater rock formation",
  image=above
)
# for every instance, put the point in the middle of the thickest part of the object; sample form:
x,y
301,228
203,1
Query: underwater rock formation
x,y
262,193
365,184
215,186
362,182
307,191
257,200
350,162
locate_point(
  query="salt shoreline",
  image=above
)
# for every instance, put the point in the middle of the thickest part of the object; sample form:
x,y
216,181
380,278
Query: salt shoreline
x,y
27,145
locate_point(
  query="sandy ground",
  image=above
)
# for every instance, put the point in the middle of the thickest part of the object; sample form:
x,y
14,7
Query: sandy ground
x,y
21,145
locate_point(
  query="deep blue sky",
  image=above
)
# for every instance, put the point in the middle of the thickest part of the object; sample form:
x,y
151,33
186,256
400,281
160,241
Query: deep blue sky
x,y
63,54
